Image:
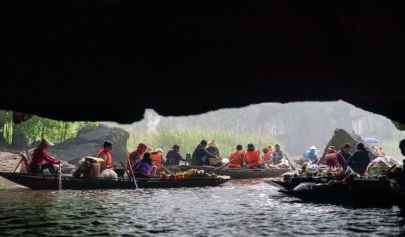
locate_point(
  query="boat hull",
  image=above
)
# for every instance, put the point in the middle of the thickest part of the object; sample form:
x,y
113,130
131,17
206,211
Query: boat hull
x,y
51,182
233,173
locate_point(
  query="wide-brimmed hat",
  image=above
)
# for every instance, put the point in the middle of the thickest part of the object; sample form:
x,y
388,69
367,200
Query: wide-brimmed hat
x,y
212,143
44,143
269,146
250,146
313,148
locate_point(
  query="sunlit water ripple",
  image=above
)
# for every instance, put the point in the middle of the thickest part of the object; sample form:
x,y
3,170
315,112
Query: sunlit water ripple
x,y
237,208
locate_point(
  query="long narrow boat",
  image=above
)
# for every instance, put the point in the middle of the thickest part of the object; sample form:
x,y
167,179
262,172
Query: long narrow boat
x,y
35,181
357,192
233,173
291,184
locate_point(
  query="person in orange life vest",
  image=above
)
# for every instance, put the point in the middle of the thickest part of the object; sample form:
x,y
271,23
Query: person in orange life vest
x,y
136,155
253,158
381,151
236,158
40,155
267,156
271,151
105,153
157,157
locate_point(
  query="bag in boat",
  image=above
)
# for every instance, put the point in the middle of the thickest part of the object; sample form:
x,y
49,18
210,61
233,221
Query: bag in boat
x,y
108,174
378,170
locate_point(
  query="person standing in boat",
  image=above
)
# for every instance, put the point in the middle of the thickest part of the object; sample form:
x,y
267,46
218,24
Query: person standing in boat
x,y
359,160
157,157
311,154
278,154
236,158
145,167
136,155
40,155
202,155
105,154
173,157
333,158
253,158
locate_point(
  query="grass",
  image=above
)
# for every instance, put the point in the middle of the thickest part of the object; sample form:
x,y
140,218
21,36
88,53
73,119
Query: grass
x,y
189,139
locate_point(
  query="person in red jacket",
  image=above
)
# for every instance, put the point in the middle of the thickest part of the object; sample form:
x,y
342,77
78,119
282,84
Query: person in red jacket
x,y
253,158
40,155
333,158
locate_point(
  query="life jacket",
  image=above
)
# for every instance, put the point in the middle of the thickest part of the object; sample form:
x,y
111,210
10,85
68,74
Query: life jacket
x,y
253,158
381,152
127,166
156,159
235,159
108,159
268,156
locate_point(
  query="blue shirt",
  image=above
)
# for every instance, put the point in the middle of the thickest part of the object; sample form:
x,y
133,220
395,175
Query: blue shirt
x,y
311,154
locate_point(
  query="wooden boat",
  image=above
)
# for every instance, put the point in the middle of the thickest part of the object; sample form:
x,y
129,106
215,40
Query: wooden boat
x,y
233,173
35,181
357,192
291,184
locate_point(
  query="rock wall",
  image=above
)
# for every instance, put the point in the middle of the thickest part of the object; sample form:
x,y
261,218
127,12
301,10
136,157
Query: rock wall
x,y
8,161
89,141
341,136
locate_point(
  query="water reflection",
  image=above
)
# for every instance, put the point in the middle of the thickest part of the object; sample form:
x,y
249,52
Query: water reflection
x,y
238,208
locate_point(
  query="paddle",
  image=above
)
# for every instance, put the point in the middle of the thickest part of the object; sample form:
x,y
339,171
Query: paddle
x,y
125,169
133,175
386,172
292,167
222,165
60,176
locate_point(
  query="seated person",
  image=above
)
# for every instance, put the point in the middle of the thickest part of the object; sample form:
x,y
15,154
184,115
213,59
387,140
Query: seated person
x,y
311,154
253,158
105,154
360,159
236,158
40,155
136,155
202,155
157,157
145,167
333,158
173,157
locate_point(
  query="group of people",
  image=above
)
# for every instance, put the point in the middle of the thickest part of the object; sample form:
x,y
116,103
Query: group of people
x,y
359,161
144,161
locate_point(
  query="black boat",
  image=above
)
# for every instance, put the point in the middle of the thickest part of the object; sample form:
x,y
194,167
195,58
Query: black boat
x,y
36,181
292,183
357,192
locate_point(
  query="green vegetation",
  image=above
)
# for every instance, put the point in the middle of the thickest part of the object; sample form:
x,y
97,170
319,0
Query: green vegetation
x,y
189,139
36,128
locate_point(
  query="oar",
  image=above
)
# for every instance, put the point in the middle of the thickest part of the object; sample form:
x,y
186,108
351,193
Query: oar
x,y
125,169
133,175
289,162
386,172
60,176
222,166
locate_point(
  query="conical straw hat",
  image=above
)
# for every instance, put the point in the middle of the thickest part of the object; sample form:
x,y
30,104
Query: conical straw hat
x,y
44,143
212,143
313,148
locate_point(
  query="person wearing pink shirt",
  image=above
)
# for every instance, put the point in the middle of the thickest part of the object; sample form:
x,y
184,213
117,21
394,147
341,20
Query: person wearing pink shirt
x,y
40,155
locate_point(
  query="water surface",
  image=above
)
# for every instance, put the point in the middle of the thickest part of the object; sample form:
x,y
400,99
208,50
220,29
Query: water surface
x,y
237,208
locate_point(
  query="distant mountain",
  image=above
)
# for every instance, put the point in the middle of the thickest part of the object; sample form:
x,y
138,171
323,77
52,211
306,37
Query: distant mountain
x,y
299,125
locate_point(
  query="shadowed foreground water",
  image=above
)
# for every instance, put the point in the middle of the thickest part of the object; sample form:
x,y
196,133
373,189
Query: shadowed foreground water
x,y
237,208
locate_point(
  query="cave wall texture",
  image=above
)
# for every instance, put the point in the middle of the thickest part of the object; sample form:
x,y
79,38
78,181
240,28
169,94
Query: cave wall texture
x,y
109,60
